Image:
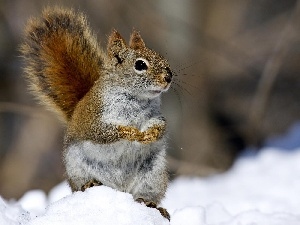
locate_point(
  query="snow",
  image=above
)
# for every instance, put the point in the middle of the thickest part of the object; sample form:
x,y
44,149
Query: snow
x,y
12,214
99,205
34,201
260,189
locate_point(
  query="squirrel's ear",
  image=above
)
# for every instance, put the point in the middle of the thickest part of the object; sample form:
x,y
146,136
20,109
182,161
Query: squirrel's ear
x,y
115,43
136,41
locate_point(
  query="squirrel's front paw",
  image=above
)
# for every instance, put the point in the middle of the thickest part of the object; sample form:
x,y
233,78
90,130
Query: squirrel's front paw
x,y
129,133
153,130
152,134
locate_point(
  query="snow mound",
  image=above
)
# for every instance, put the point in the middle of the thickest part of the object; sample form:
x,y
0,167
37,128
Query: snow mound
x,y
99,205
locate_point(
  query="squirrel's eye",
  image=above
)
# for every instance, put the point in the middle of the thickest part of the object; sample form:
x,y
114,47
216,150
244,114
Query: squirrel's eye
x,y
141,65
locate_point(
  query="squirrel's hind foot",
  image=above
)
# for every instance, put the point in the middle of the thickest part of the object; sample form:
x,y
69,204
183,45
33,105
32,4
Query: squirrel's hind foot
x,y
91,183
164,212
150,204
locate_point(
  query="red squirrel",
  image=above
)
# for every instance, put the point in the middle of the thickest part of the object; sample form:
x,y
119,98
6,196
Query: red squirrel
x,y
109,100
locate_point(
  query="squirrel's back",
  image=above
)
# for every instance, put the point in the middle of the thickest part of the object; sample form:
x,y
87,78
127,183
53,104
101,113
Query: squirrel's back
x,y
62,59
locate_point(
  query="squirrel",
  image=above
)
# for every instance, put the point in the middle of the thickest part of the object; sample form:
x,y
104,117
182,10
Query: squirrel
x,y
109,100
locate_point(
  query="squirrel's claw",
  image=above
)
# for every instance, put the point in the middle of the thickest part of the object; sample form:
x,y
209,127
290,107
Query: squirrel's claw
x,y
91,183
151,204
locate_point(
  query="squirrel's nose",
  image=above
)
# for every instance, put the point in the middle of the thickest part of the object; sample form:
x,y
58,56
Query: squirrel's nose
x,y
168,77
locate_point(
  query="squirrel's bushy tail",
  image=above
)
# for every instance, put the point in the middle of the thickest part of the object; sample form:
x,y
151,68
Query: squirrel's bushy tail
x,y
62,58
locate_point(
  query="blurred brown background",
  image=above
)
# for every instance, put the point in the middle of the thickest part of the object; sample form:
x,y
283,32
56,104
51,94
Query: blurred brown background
x,y
237,81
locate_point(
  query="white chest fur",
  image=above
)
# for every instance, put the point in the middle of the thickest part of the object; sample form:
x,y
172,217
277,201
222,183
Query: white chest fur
x,y
123,109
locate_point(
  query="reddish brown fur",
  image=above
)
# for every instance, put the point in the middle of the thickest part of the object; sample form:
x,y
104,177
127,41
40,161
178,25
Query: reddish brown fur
x,y
63,58
133,134
136,41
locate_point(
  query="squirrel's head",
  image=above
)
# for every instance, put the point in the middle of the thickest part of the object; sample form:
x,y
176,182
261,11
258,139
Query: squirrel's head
x,y
136,68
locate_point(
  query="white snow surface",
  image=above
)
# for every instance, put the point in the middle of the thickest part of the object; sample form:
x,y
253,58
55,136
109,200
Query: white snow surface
x,y
260,189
